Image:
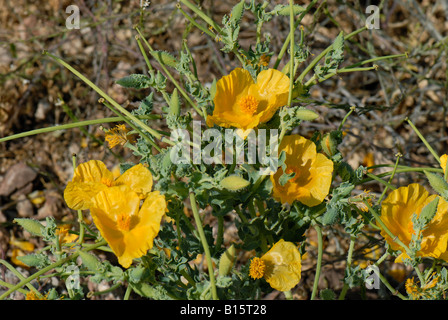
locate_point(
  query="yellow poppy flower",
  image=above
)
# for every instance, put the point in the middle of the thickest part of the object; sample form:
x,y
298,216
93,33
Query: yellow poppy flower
x,y
396,213
243,104
93,176
128,228
313,173
443,160
281,266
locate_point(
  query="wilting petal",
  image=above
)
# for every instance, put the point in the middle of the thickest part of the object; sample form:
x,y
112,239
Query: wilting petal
x,y
283,266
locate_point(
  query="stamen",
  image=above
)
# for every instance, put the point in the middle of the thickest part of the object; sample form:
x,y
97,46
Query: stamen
x,y
123,222
249,104
257,268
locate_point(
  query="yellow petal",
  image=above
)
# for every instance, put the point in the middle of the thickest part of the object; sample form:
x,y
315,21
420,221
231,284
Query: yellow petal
x,y
283,266
443,161
397,211
115,202
79,195
93,171
313,178
138,178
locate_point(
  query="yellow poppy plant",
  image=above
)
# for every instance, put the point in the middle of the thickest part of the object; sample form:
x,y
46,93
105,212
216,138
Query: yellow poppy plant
x,y
281,266
313,173
93,176
397,211
242,103
128,228
443,160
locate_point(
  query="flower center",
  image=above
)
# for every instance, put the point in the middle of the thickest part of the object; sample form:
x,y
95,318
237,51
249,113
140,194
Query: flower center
x,y
123,222
257,268
295,170
249,104
107,182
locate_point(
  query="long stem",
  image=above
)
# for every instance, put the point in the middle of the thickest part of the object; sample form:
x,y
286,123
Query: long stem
x,y
319,260
349,263
106,96
71,126
48,268
288,39
208,257
391,177
423,140
322,54
291,51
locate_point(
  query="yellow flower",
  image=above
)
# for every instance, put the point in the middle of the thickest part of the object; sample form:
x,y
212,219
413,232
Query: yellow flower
x,y
443,160
31,295
118,135
396,213
281,266
313,173
93,176
128,228
63,231
243,104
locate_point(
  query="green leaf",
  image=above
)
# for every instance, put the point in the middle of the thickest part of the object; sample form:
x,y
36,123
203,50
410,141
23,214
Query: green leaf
x,y
285,177
305,114
89,261
227,261
174,103
148,291
438,184
237,12
284,10
429,211
32,226
35,260
234,183
135,81
165,58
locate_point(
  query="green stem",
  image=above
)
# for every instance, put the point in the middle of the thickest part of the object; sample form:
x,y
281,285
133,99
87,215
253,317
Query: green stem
x,y
71,126
208,257
48,268
19,275
210,22
374,177
346,117
349,263
319,260
288,39
391,177
291,51
384,174
127,294
322,54
423,140
174,81
106,96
